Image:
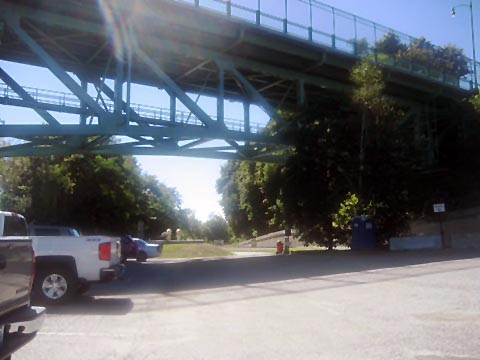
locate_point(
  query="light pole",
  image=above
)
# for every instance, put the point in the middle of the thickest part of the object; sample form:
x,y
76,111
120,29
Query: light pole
x,y
470,6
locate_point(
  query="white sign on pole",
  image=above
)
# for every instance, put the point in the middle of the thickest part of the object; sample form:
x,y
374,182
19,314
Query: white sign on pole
x,y
438,208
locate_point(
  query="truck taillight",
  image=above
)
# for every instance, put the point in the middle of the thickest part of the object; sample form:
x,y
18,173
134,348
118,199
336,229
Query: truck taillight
x,y
104,251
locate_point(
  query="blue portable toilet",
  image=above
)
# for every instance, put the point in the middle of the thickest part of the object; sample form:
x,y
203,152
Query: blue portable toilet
x,y
363,233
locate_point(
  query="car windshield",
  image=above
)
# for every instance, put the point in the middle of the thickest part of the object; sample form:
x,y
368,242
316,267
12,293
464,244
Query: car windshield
x,y
141,242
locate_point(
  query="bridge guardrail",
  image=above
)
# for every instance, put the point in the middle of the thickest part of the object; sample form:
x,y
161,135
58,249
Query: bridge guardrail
x,y
338,30
146,111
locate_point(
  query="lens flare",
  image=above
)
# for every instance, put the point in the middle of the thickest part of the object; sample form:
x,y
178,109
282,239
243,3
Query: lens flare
x,y
118,26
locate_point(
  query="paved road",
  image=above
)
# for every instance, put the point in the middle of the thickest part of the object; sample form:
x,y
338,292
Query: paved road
x,y
345,305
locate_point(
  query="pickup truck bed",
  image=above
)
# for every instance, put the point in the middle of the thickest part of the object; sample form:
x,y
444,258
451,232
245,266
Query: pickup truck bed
x,y
66,265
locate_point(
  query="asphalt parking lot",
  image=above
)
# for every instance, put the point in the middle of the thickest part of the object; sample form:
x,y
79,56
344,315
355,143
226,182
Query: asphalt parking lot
x,y
343,305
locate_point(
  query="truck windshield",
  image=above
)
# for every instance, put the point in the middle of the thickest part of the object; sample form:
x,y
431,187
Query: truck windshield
x,y
14,226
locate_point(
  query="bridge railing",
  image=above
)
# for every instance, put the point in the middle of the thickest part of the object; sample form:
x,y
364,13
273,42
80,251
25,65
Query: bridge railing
x,y
323,24
67,100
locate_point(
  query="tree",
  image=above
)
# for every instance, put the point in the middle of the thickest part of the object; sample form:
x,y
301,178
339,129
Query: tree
x,y
451,60
421,52
369,96
361,46
97,194
390,44
216,228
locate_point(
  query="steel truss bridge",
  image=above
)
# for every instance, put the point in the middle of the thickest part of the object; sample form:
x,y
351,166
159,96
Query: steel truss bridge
x,y
217,48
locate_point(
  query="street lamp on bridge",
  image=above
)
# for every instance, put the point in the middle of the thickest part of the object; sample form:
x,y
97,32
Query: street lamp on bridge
x,y
470,6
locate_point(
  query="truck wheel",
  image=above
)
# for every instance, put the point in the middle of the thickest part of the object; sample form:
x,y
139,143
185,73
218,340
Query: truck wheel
x,y
141,257
54,286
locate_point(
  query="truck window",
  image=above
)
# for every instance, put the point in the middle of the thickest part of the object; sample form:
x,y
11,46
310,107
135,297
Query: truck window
x,y
14,226
73,232
47,232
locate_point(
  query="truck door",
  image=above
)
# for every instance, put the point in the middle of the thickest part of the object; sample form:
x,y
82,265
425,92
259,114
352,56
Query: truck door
x,y
15,261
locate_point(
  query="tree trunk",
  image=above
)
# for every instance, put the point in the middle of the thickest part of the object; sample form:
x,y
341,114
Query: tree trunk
x,y
362,152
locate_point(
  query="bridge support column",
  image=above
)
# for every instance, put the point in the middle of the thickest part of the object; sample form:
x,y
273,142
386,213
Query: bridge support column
x,y
173,107
221,96
246,116
118,92
83,115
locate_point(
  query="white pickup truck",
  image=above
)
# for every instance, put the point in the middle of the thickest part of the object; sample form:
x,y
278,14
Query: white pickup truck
x,y
66,265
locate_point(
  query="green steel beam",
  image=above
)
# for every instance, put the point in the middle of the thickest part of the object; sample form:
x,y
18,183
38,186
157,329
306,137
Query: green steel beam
x,y
41,106
259,99
131,149
26,96
175,89
13,22
187,50
181,132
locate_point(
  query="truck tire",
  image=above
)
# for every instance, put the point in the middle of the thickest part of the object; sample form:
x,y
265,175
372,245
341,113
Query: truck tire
x,y
141,257
54,285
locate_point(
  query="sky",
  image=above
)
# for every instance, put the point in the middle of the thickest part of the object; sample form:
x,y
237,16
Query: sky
x,y
194,179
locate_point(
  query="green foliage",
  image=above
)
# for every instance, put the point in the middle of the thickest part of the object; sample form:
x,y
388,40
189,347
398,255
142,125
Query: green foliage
x,y
216,228
317,191
451,60
390,44
422,56
361,46
370,87
97,194
475,101
250,197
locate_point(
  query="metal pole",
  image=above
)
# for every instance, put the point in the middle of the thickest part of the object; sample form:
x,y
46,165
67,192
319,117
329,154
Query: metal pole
x,y
129,70
258,13
310,30
355,48
285,21
473,45
334,30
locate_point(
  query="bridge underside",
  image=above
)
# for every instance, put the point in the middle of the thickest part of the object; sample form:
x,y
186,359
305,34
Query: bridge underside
x,y
173,47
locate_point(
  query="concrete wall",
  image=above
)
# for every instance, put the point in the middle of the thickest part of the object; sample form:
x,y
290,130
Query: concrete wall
x,y
461,228
270,241
416,242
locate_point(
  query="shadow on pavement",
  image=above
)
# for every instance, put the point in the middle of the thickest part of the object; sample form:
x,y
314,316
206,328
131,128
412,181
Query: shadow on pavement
x,y
94,306
169,277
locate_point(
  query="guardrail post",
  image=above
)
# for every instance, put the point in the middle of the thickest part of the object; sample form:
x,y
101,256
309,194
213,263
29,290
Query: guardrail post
x,y
173,108
246,116
83,106
229,8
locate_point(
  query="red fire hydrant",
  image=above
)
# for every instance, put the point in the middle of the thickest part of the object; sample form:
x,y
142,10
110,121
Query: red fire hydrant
x,y
279,247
